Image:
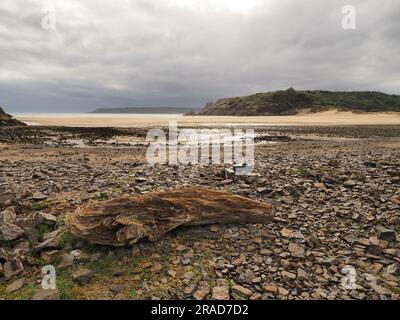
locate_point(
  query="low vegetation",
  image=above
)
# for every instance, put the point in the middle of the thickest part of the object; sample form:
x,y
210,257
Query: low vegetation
x,y
291,102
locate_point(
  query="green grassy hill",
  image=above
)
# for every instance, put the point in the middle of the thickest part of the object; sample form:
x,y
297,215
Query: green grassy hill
x,y
291,102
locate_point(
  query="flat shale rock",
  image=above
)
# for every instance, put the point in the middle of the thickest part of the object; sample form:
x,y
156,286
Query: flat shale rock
x,y
220,293
82,276
8,230
15,286
43,294
126,220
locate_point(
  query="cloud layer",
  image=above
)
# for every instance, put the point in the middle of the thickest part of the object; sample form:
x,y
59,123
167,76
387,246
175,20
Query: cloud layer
x,y
188,52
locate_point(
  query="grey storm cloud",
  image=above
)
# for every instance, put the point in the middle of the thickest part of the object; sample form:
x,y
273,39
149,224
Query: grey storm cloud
x,y
188,52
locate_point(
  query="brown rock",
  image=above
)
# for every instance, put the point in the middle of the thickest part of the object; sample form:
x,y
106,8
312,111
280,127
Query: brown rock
x,y
4,255
215,228
241,292
189,289
136,252
182,248
288,276
82,276
8,215
172,273
220,293
270,287
301,274
67,260
379,289
43,294
13,268
49,244
266,252
202,291
296,250
282,291
248,276
49,256
291,234
394,269
15,286
157,268
8,230
46,218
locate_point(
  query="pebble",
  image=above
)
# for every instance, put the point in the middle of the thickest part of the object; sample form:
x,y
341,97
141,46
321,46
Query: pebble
x,y
43,294
241,292
15,286
82,276
220,293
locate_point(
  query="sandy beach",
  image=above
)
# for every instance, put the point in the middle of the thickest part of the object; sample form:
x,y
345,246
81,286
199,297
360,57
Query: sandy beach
x,y
140,120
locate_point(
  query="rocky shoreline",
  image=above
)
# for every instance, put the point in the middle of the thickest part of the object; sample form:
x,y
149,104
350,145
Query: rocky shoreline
x,y
7,120
336,195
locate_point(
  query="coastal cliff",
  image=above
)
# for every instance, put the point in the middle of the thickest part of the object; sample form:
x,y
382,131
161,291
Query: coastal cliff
x,y
7,120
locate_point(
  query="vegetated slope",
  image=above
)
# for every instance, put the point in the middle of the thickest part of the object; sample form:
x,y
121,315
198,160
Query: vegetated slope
x,y
291,102
7,120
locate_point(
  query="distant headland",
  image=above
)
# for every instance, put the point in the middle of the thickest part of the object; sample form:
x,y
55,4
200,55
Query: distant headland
x,y
148,110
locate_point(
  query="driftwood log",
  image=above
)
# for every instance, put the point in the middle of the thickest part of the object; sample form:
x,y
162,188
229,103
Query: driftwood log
x,y
126,220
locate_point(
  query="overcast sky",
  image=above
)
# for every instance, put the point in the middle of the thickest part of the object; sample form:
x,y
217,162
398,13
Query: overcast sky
x,y
126,53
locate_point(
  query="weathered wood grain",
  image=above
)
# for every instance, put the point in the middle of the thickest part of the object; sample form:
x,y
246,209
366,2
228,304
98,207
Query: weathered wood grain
x,y
126,220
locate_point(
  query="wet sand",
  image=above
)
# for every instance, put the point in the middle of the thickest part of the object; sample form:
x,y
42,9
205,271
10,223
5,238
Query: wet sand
x,y
137,120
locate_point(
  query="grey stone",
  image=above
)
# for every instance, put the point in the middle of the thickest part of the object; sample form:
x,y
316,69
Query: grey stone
x,y
350,183
46,218
10,232
241,292
136,251
386,234
15,286
220,293
49,244
379,289
13,268
8,216
67,260
296,250
4,255
248,276
394,269
82,276
202,291
43,294
288,276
